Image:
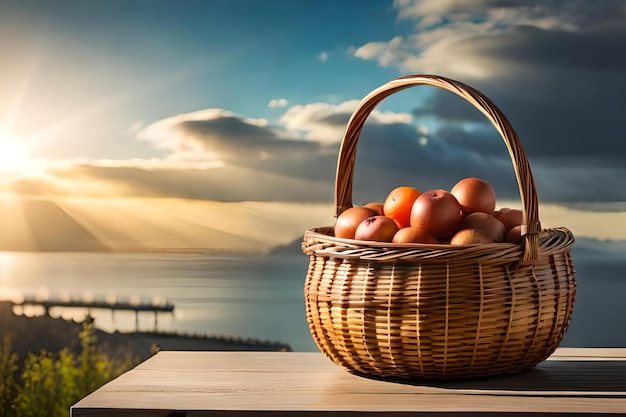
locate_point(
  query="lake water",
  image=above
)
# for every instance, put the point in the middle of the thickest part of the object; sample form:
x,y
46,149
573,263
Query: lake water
x,y
250,296
258,297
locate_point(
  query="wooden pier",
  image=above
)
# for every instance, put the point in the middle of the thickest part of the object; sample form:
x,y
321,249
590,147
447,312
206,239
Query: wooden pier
x,y
100,305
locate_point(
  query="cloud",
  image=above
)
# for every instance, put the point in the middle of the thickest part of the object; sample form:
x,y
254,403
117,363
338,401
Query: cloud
x,y
277,103
553,68
303,144
484,38
224,183
271,155
217,155
386,53
549,14
176,133
323,56
135,127
326,123
319,122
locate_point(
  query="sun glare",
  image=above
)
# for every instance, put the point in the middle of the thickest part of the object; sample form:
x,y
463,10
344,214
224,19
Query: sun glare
x,y
13,154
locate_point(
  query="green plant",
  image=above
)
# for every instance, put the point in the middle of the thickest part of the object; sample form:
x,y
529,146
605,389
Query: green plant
x,y
48,384
9,368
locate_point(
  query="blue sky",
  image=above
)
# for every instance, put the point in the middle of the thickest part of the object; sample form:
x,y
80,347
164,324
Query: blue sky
x,y
117,103
146,60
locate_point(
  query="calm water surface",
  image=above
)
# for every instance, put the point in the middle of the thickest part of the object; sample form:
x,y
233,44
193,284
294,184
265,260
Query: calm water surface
x,y
259,297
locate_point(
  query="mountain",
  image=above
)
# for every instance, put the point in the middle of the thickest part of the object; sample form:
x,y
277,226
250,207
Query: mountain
x,y
293,248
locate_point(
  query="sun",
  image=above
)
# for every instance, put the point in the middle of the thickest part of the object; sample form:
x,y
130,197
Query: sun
x,y
13,153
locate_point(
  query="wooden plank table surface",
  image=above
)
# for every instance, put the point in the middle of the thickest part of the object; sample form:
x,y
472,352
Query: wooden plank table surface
x,y
571,381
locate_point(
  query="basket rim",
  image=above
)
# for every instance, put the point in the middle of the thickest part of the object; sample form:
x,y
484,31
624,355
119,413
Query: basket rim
x,y
320,242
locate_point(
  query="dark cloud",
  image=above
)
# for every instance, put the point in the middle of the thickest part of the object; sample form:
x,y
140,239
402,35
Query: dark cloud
x,y
449,107
219,135
596,48
227,129
260,148
569,122
568,95
231,135
555,70
233,139
555,14
574,159
390,155
481,139
337,119
260,165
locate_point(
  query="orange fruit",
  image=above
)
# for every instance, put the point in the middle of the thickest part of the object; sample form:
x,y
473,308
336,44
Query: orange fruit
x,y
470,237
413,235
475,195
376,206
399,204
348,221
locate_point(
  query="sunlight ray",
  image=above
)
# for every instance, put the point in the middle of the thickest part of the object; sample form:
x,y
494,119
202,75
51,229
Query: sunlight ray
x,y
20,86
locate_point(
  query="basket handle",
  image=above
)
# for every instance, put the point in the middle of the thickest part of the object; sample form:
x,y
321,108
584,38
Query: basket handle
x,y
345,167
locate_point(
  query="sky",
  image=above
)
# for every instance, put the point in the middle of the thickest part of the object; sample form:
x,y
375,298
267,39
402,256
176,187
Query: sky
x,y
150,124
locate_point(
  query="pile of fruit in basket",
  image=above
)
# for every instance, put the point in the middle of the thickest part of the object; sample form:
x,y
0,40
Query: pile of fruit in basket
x,y
462,216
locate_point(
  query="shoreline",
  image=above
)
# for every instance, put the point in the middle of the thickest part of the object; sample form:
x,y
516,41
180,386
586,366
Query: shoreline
x,y
43,332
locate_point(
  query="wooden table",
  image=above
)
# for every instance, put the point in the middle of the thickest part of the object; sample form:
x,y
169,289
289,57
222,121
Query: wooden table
x,y
275,383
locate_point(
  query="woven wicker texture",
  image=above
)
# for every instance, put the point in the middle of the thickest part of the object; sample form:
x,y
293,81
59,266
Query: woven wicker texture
x,y
438,311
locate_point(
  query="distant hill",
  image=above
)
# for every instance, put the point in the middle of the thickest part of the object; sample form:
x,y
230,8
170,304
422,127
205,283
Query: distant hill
x,y
41,225
293,248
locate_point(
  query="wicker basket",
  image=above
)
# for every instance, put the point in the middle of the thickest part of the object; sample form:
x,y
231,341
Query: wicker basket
x,y
438,311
